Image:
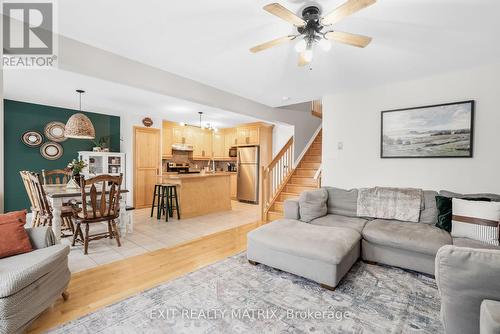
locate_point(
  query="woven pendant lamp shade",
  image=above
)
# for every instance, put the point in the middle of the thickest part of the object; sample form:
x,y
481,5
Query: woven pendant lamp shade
x,y
79,126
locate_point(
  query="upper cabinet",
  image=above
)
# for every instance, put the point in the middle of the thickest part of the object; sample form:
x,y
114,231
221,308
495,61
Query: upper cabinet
x,y
167,139
219,146
248,135
208,144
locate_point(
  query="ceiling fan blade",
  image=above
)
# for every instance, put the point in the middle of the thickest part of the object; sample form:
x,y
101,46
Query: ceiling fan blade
x,y
270,44
283,13
352,39
302,60
348,8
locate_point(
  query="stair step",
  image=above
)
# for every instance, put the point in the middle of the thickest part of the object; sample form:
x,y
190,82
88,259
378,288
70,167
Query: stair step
x,y
305,172
303,180
284,196
308,164
316,145
314,151
312,158
298,189
277,207
272,216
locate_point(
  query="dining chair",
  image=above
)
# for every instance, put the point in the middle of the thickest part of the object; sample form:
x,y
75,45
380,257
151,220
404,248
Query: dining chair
x,y
56,176
44,211
31,196
101,204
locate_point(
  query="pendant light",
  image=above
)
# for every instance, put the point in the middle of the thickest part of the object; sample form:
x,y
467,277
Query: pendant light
x,y
79,126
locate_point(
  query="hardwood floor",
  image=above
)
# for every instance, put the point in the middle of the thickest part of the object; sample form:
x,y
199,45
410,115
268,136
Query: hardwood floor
x,y
95,288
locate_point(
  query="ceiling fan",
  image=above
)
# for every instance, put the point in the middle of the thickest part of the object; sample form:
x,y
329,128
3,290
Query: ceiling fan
x,y
310,28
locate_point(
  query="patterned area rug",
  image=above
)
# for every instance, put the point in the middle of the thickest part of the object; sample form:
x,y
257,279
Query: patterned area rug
x,y
232,296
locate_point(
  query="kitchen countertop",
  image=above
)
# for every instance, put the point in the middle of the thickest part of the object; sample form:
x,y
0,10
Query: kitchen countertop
x,y
194,175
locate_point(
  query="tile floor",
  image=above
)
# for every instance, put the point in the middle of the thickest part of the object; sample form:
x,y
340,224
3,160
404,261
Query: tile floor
x,y
150,234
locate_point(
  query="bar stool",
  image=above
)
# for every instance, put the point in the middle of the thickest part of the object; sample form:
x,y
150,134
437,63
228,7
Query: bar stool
x,y
157,200
170,194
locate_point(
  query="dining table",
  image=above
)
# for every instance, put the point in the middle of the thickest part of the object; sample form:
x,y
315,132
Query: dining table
x,y
59,194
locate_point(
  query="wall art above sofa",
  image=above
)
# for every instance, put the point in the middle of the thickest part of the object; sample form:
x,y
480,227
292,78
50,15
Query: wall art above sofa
x,y
437,131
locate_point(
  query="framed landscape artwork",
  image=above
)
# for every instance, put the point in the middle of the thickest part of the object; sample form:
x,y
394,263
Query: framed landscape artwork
x,y
438,131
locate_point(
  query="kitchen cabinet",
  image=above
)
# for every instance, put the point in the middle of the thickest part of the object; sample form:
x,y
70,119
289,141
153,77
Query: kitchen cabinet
x,y
202,143
219,145
234,185
167,139
147,142
230,140
248,135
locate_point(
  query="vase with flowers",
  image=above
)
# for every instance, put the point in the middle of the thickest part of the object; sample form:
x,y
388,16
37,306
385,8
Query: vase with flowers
x,y
76,167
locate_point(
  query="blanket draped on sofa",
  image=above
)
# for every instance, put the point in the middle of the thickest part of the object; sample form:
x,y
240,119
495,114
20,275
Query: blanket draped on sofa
x,y
390,203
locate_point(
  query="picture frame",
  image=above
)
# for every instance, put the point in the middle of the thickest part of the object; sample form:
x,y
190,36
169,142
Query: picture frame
x,y
432,131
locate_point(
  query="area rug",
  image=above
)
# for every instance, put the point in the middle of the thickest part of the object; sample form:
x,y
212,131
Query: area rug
x,y
232,296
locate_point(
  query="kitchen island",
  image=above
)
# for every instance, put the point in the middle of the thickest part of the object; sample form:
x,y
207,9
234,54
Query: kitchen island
x,y
201,194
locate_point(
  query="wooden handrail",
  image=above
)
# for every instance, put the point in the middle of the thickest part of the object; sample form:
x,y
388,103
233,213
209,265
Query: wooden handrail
x,y
280,153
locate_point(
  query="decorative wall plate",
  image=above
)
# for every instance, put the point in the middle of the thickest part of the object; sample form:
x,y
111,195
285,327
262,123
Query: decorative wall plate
x,y
32,138
51,151
55,131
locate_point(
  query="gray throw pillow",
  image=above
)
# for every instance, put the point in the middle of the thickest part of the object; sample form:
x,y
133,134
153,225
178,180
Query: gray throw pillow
x,y
312,204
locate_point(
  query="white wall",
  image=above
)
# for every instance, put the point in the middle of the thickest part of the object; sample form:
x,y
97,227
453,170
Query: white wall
x,y
281,135
354,119
127,123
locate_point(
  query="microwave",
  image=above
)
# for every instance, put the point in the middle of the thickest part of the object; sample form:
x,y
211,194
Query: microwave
x,y
233,152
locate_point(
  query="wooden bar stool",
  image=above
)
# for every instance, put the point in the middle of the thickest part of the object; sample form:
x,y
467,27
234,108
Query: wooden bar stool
x,y
157,200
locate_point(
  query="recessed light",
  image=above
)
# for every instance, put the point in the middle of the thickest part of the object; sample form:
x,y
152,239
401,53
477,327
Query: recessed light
x,y
285,98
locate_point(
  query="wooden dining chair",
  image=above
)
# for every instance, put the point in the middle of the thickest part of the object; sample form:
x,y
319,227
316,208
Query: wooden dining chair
x,y
56,176
44,216
25,177
96,208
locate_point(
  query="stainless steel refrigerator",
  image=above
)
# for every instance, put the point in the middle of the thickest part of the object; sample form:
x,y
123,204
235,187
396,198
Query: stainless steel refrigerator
x,y
248,174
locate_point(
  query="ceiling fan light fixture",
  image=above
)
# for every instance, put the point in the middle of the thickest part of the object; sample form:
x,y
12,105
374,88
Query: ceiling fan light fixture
x,y
301,46
325,44
308,55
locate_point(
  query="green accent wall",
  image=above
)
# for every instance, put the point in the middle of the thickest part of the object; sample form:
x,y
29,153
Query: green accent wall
x,y
20,117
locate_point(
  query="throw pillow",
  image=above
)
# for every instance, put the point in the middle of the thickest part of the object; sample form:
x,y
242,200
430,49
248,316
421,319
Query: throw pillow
x,y
444,207
312,204
13,237
477,220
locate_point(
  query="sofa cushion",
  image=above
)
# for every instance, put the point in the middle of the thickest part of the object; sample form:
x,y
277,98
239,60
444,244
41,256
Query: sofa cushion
x,y
492,197
17,272
327,244
342,202
466,242
429,213
340,221
312,204
417,237
13,237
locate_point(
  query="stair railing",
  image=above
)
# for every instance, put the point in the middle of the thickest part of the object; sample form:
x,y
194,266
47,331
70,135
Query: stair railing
x,y
275,176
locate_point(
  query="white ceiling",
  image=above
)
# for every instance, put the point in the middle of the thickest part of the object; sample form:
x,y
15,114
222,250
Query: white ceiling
x,y
57,88
208,41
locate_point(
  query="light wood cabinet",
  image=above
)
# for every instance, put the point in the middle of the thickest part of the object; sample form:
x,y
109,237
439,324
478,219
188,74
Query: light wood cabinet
x,y
230,140
234,185
202,143
248,135
167,139
219,145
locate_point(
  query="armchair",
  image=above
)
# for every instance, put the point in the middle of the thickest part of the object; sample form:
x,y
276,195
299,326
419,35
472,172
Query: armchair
x,y
31,282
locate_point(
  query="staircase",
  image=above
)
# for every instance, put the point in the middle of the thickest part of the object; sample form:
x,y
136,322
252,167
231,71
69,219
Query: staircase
x,y
304,177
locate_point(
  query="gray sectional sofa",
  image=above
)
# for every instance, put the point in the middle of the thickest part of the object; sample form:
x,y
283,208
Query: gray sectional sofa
x,y
325,248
